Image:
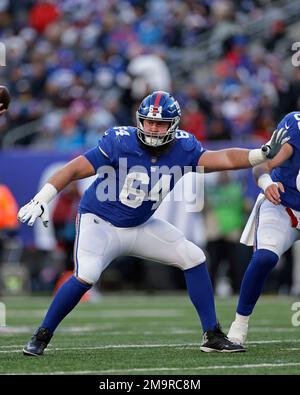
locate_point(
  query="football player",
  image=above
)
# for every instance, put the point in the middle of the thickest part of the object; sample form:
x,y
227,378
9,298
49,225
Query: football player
x,y
115,212
274,223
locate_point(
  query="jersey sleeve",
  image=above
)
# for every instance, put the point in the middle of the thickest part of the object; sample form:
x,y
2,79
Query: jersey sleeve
x,y
105,153
96,158
195,153
291,122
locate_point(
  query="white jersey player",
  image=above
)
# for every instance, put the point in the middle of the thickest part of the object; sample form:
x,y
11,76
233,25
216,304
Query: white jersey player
x,y
274,223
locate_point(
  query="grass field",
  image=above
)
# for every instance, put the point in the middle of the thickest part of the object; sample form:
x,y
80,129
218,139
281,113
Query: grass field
x,y
143,334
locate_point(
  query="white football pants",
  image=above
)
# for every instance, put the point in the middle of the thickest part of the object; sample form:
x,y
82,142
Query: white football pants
x,y
272,228
98,242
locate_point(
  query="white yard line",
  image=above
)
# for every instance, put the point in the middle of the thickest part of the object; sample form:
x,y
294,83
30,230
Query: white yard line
x,y
126,346
273,341
107,330
132,313
165,369
291,349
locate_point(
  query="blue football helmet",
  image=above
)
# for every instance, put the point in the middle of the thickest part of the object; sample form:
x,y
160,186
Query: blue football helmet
x,y
158,106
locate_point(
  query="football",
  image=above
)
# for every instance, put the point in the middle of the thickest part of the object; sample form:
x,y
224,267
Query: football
x,y
4,97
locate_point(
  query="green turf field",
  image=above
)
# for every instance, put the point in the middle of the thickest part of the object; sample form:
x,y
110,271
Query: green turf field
x,y
143,334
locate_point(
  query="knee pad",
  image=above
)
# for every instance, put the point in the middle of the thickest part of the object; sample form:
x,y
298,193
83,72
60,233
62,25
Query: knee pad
x,y
189,255
89,269
270,241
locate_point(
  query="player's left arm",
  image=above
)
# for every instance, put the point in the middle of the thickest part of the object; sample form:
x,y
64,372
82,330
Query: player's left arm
x,y
239,158
76,169
227,159
262,174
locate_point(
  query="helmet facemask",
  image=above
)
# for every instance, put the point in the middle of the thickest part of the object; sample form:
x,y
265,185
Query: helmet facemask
x,y
153,139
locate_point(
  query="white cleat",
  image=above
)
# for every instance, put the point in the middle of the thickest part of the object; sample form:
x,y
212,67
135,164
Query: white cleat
x,y
238,333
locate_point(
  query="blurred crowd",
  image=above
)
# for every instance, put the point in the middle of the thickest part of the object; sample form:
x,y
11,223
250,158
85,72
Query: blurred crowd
x,y
78,67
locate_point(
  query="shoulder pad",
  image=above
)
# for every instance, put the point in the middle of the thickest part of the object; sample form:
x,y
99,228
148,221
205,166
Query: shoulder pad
x,y
124,139
187,140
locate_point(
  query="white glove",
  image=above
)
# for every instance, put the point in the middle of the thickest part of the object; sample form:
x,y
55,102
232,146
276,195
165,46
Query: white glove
x,y
38,206
32,210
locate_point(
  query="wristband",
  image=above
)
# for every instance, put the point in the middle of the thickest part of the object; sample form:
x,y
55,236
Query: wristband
x,y
265,181
256,156
46,194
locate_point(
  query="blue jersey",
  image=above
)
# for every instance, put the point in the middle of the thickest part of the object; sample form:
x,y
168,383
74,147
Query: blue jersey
x,y
289,172
132,180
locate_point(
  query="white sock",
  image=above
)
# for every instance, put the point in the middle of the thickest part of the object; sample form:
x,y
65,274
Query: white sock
x,y
242,319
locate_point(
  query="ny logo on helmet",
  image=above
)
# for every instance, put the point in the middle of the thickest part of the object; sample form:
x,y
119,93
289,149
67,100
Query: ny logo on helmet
x,y
177,107
154,111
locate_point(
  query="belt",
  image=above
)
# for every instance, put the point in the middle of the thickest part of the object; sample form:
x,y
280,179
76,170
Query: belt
x,y
294,219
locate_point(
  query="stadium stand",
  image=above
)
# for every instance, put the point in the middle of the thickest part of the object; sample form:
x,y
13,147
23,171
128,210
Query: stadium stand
x,y
77,68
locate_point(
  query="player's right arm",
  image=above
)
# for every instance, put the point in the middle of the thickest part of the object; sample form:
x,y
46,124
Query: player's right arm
x,y
76,169
83,166
262,174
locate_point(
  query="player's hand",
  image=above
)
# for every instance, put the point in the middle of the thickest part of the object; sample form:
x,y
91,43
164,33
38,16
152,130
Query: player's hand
x,y
273,146
32,210
272,192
